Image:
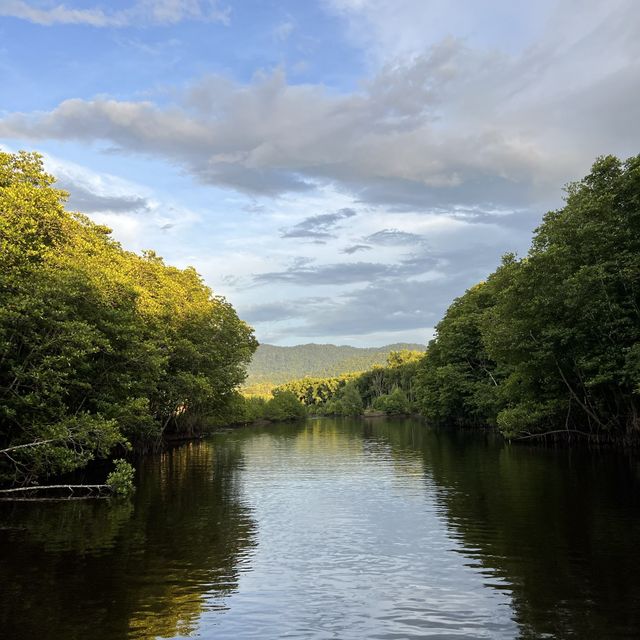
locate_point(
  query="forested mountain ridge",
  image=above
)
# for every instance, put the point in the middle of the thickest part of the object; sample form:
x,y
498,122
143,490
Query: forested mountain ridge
x,y
276,365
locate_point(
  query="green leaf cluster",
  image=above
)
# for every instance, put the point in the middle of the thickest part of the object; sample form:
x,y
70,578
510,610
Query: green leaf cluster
x,y
394,403
316,391
346,401
121,478
284,405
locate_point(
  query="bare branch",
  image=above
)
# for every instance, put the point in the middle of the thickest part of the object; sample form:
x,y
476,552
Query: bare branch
x,y
37,443
24,493
547,433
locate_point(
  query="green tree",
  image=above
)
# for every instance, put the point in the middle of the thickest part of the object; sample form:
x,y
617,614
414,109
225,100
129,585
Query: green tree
x,y
350,400
457,380
566,322
99,347
284,405
394,403
550,343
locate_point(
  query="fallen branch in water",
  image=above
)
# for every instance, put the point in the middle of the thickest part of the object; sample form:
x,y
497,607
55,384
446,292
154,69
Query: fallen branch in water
x,y
119,483
548,433
90,491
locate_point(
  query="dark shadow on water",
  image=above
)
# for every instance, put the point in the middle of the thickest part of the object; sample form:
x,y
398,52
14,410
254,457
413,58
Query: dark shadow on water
x,y
560,526
137,569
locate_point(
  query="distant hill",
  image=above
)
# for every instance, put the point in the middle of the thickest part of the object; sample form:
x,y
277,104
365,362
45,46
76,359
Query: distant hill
x,y
276,365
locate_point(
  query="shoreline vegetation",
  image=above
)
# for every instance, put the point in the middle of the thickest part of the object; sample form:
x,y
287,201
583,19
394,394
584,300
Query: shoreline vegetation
x,y
104,352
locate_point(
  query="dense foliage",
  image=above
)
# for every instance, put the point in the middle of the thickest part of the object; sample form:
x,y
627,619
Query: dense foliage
x,y
353,394
551,342
457,382
99,347
400,373
316,391
284,406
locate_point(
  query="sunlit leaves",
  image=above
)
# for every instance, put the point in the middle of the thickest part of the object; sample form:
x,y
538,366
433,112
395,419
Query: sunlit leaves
x,y
99,346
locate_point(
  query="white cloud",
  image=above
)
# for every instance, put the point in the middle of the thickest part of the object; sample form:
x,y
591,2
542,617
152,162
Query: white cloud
x,y
448,152
138,217
141,12
451,125
403,28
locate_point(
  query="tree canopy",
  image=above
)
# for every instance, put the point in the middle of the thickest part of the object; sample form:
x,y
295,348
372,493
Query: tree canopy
x,y
551,342
99,347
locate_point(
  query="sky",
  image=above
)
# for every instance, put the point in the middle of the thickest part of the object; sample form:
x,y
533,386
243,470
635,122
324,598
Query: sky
x,y
339,170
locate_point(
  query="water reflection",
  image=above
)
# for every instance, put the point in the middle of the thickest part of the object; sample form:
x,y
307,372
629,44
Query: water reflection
x,y
145,569
561,527
337,529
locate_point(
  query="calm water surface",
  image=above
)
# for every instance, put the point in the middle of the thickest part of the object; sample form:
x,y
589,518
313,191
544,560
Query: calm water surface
x,y
345,529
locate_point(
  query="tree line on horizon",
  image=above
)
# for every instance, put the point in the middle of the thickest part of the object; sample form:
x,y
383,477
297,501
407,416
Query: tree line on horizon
x,y
272,365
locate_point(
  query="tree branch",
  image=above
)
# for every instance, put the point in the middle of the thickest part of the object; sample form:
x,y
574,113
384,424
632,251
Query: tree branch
x,y
37,443
22,493
546,433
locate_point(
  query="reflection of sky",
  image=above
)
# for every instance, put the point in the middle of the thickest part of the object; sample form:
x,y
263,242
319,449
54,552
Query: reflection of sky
x,y
352,544
218,132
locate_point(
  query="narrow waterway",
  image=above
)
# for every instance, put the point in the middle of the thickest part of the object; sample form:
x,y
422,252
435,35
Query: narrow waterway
x,y
345,529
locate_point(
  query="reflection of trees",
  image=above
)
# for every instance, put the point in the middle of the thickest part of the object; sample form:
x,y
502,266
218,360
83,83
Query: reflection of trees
x,y
559,526
84,526
104,571
556,525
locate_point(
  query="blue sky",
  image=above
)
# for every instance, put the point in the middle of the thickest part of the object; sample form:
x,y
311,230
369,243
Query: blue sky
x,y
340,170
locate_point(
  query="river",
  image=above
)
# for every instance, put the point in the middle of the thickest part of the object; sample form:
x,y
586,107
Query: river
x,y
343,529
